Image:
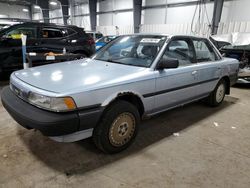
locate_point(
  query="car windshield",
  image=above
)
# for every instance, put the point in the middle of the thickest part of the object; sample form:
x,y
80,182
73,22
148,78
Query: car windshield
x,y
135,50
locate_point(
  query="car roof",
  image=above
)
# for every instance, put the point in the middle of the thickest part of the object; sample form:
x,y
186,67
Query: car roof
x,y
167,35
46,24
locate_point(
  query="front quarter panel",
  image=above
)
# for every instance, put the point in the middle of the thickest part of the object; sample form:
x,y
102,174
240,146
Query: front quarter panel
x,y
104,96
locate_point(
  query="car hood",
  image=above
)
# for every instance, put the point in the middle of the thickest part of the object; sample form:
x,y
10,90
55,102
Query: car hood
x,y
79,75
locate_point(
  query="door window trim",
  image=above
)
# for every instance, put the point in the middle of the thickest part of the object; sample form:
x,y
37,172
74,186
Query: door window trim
x,y
209,45
23,27
50,27
189,42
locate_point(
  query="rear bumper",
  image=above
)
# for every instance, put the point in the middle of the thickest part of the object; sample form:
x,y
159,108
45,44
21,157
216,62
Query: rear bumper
x,y
49,123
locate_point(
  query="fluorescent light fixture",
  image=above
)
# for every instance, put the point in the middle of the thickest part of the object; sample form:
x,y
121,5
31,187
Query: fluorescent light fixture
x,y
25,10
36,7
53,3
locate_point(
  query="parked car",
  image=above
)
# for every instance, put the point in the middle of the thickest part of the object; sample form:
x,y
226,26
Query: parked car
x,y
103,41
41,38
132,77
95,35
236,45
241,53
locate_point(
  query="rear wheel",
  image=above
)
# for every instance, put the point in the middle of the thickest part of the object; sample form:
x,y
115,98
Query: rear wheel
x,y
217,96
118,127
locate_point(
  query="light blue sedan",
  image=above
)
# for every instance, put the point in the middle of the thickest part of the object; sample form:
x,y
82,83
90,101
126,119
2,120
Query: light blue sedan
x,y
132,77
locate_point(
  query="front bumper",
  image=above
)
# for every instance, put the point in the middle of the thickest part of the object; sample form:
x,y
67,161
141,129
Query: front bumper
x,y
49,123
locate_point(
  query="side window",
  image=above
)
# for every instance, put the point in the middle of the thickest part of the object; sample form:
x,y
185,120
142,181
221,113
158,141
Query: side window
x,y
180,49
53,33
31,32
204,51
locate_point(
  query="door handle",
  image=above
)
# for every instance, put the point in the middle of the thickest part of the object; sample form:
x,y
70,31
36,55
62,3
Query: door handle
x,y
194,73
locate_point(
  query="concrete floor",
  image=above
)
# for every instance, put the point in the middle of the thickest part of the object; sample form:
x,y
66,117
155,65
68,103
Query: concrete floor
x,y
212,150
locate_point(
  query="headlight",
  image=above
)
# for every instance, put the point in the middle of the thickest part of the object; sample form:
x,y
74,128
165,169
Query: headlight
x,y
57,104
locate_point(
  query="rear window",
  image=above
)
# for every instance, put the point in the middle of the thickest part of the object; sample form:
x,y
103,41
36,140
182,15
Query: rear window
x,y
70,31
204,51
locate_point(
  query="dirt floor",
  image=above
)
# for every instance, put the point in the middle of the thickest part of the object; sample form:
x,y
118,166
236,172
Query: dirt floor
x,y
211,149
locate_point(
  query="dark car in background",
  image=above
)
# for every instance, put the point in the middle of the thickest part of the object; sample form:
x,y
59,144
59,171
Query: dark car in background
x,y
42,38
237,46
242,54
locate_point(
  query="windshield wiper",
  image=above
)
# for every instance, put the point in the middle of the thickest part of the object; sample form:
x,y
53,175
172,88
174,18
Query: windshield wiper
x,y
117,62
113,61
136,65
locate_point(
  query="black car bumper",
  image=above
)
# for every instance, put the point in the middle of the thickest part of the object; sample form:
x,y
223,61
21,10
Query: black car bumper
x,y
49,123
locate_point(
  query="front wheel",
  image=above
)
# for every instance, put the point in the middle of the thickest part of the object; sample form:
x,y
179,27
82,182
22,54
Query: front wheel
x,y
217,96
118,127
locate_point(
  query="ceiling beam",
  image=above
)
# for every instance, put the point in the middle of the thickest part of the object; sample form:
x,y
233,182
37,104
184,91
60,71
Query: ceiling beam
x,y
137,4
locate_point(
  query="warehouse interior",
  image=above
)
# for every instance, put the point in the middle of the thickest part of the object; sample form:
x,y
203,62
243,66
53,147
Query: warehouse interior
x,y
61,51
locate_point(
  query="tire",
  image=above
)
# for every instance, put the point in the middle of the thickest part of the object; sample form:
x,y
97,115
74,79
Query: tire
x,y
117,128
217,96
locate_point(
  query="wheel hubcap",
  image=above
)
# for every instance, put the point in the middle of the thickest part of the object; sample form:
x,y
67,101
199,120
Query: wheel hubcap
x,y
220,93
122,129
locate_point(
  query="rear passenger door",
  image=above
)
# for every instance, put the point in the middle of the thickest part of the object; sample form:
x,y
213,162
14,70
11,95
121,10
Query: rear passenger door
x,y
208,65
179,85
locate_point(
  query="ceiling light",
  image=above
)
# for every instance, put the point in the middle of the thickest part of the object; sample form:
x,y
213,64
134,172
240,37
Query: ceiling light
x,y
25,10
53,3
36,7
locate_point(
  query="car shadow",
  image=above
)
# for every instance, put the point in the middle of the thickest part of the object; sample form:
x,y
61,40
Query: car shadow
x,y
81,157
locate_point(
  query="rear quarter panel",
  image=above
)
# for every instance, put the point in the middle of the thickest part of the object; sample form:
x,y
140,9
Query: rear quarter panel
x,y
230,68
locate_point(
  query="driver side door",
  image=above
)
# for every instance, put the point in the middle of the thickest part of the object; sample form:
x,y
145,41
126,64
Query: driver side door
x,y
179,85
12,45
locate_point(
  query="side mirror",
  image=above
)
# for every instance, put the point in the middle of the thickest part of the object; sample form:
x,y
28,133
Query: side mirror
x,y
168,63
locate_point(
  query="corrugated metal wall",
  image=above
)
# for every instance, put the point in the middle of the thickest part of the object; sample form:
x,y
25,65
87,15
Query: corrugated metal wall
x,y
230,27
113,30
177,29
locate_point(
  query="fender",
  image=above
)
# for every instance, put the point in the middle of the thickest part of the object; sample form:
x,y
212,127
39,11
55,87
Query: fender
x,y
114,96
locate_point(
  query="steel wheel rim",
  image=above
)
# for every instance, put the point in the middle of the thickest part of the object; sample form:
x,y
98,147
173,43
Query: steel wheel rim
x,y
122,129
220,93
